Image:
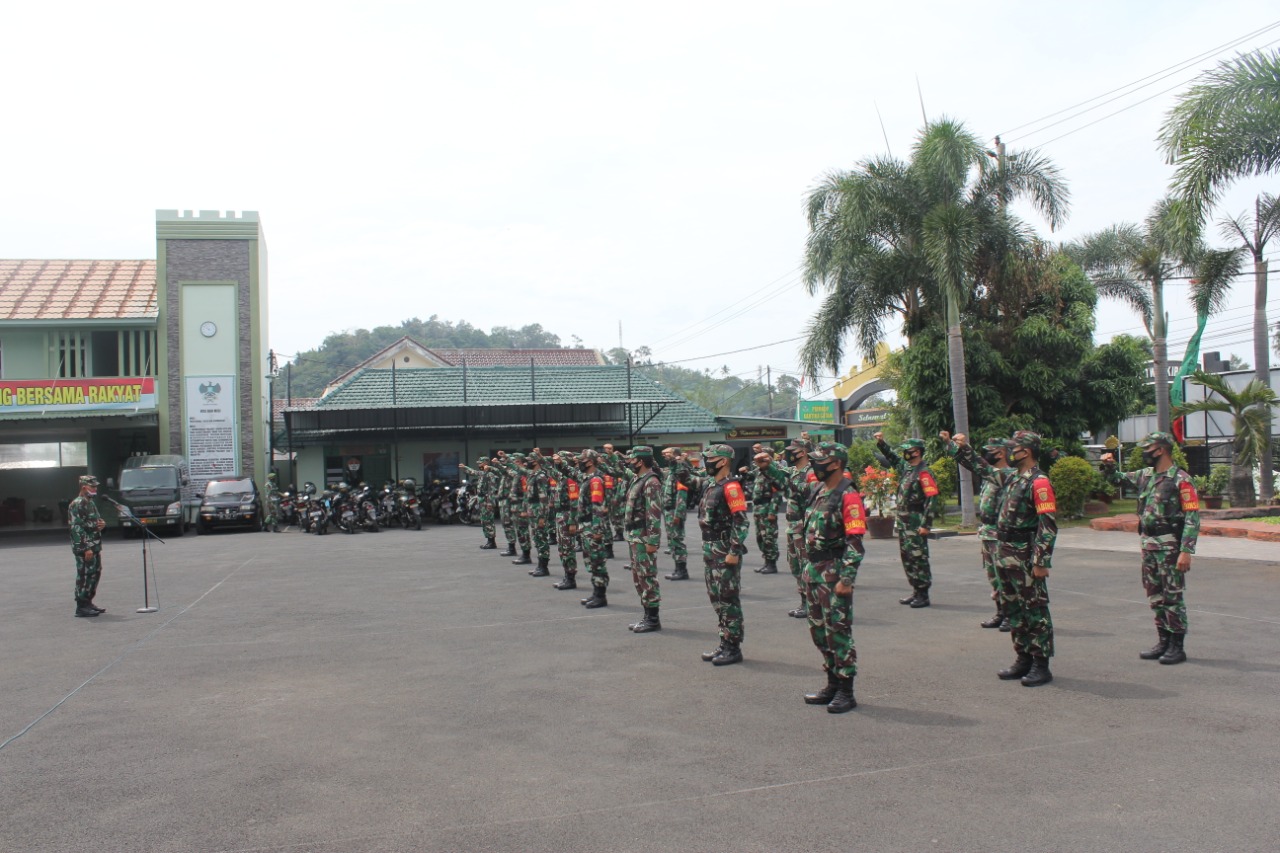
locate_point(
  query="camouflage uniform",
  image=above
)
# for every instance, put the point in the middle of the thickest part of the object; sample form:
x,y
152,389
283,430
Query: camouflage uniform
x,y
993,483
675,505
83,519
541,511
765,496
271,521
722,517
642,517
1169,525
917,503
521,516
502,498
593,518
795,483
835,521
483,479
1027,531
564,500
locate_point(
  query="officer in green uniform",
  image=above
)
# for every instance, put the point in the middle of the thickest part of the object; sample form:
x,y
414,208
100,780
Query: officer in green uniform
x,y
272,520
86,526
675,503
794,481
765,496
1169,525
642,520
917,504
541,510
564,497
505,470
483,478
593,521
992,467
520,515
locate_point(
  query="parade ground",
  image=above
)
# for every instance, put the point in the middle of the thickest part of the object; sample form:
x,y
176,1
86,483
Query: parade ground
x,y
405,691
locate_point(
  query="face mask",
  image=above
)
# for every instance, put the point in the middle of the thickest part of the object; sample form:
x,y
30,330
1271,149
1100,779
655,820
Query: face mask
x,y
790,456
992,459
637,467
822,469
713,465
1149,459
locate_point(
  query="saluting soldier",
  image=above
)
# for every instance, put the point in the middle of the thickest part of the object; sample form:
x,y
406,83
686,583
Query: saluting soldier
x,y
917,505
1169,525
564,497
505,470
86,526
722,517
765,496
795,482
675,502
482,478
1027,529
992,467
520,513
541,511
593,517
642,517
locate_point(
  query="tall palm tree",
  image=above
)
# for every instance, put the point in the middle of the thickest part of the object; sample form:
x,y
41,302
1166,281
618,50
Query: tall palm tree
x,y
1254,236
893,238
1250,410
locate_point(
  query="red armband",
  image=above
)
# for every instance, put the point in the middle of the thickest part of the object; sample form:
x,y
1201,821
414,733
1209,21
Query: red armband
x,y
733,494
1190,500
855,515
1042,491
929,484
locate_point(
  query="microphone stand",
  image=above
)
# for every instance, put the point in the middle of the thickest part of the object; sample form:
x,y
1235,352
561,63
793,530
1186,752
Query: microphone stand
x,y
147,536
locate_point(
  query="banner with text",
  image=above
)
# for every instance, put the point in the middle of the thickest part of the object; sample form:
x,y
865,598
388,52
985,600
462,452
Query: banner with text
x,y
213,437
77,395
816,411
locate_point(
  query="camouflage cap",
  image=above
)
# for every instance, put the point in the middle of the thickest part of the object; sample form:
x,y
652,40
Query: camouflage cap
x,y
718,451
1003,444
88,480
641,451
804,445
589,455
482,460
912,444
827,450
1025,438
1157,438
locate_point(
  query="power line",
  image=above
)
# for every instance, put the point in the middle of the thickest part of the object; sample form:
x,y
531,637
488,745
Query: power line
x,y
730,352
681,331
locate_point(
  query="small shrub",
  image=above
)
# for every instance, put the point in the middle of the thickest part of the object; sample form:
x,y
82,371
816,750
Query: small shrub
x,y
948,476
1073,480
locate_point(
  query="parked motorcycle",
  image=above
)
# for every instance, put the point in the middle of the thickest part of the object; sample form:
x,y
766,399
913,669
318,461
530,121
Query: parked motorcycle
x,y
344,509
408,508
468,503
366,509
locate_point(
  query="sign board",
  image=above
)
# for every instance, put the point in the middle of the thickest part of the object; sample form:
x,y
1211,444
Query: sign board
x,y
213,436
867,417
77,395
816,411
756,432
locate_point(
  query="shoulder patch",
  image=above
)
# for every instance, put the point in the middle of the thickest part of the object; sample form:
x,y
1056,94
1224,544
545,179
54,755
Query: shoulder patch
x,y
734,496
929,484
1190,499
811,477
681,487
573,490
608,481
597,490
1042,492
855,515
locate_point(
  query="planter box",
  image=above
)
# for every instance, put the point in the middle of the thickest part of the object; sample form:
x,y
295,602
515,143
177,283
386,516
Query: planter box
x,y
880,527
1211,501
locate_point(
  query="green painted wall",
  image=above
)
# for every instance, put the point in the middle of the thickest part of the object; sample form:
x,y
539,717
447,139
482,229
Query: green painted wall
x,y
209,302
25,353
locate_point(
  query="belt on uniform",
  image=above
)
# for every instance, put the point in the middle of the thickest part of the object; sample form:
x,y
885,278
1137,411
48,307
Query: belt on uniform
x,y
823,555
1017,537
1160,529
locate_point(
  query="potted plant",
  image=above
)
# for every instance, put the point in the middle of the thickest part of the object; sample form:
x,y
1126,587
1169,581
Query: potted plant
x,y
1212,487
879,488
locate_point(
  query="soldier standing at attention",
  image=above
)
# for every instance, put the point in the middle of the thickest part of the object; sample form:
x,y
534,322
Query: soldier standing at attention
x,y
794,482
541,512
564,497
1027,530
917,503
764,507
593,516
675,501
994,471
1169,524
722,517
86,543
504,468
834,524
642,517
272,520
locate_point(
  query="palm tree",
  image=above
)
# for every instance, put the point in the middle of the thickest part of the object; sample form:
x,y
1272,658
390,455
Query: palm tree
x,y
1250,410
1254,236
905,238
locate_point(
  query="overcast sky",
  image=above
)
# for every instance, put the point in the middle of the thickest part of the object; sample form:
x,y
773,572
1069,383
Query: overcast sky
x,y
582,165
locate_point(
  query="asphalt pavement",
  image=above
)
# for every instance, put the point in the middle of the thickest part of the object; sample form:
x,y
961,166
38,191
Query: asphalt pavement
x,y
404,691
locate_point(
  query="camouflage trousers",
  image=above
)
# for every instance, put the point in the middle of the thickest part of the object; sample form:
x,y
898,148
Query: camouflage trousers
x,y
596,557
1024,598
541,526
990,551
795,560
566,543
767,536
724,583
508,520
673,520
617,505
88,571
522,525
831,626
1164,585
488,509
271,513
644,571
914,551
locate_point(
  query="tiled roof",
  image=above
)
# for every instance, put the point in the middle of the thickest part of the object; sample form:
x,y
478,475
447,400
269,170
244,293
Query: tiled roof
x,y
481,357
77,290
510,386
278,406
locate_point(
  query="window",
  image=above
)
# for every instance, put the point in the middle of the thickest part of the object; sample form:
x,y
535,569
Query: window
x,y
80,354
69,350
53,454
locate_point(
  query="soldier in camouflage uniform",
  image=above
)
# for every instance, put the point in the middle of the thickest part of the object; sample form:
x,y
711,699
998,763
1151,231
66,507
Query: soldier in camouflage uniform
x,y
1169,525
675,504
917,505
272,508
794,482
615,468
722,517
86,544
642,517
541,511
593,519
834,523
1027,530
565,497
504,470
520,509
992,467
765,497
480,476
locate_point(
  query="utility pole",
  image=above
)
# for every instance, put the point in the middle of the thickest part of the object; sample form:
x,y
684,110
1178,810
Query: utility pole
x,y
768,372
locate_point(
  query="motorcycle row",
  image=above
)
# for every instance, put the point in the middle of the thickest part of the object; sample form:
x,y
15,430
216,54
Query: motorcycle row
x,y
363,508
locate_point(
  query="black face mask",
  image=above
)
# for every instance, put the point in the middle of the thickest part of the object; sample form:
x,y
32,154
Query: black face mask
x,y
993,459
713,465
822,469
1149,459
789,455
637,467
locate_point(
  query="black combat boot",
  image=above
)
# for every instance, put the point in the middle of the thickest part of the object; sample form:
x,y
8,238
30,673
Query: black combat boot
x,y
1158,650
730,653
921,599
511,550
826,694
1038,674
801,612
489,545
770,568
542,570
83,609
522,560
567,582
617,536
910,598
93,606
994,622
1005,626
681,573
1020,667
649,622
843,700
608,550
1175,653
597,599
711,655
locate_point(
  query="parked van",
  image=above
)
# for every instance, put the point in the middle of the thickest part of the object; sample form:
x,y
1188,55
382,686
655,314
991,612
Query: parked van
x,y
153,488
